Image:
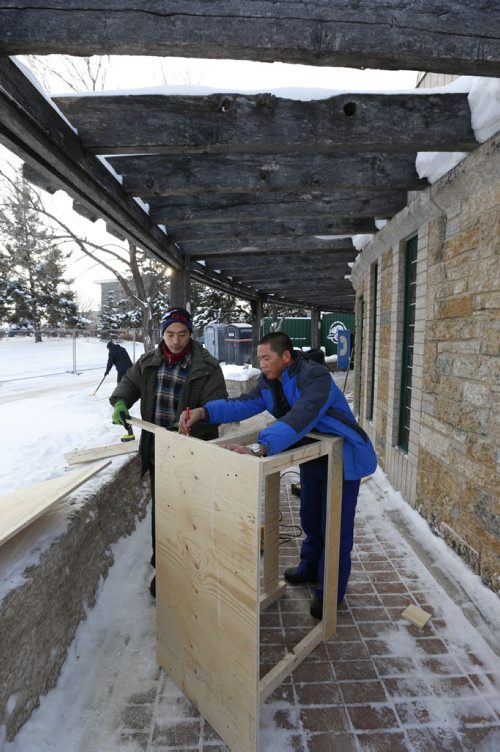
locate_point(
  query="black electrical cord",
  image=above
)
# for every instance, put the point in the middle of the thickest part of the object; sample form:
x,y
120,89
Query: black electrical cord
x,y
295,531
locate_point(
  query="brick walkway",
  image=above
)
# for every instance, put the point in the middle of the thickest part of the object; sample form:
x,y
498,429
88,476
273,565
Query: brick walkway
x,y
379,684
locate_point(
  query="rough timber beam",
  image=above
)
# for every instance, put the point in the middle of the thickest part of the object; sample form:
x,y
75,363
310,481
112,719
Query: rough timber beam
x,y
225,123
176,175
456,36
265,246
285,228
236,266
315,275
236,207
35,131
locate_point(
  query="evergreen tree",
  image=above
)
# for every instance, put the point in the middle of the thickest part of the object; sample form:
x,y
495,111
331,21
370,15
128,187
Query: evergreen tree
x,y
31,288
112,318
210,305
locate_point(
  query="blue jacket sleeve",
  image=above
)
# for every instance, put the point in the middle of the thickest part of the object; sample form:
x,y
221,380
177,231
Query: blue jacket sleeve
x,y
231,410
315,388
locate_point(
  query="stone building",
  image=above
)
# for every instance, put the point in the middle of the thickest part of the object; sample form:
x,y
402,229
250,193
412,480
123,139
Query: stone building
x,y
427,296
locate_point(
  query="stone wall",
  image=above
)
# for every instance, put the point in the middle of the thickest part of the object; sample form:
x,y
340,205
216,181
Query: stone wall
x,y
39,619
451,470
458,482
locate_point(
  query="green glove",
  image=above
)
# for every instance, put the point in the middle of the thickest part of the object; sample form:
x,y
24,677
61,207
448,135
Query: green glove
x,y
119,407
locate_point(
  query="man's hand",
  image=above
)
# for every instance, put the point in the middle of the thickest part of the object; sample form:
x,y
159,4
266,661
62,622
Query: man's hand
x,y
238,448
118,408
195,414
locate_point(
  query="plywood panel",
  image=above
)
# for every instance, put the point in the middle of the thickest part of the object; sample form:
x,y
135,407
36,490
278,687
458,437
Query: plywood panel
x,y
101,452
19,508
207,564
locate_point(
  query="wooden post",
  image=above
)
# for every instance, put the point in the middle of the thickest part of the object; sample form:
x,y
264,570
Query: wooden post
x,y
257,307
315,326
180,286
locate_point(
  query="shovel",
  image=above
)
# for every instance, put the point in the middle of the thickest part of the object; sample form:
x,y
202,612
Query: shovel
x,y
93,394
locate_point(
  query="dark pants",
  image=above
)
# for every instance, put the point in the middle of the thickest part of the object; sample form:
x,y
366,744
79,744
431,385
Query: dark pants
x,y
313,488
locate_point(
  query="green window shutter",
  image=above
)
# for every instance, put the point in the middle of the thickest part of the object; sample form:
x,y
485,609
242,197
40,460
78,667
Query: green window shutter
x,y
371,395
408,342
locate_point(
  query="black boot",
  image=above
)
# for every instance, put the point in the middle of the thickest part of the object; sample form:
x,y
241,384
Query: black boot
x,y
316,607
301,574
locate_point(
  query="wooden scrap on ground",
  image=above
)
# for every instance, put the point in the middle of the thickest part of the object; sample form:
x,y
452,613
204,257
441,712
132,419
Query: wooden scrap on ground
x,y
416,616
19,508
101,452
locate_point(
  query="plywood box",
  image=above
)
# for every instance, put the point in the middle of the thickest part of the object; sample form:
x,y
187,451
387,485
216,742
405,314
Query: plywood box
x,y
209,591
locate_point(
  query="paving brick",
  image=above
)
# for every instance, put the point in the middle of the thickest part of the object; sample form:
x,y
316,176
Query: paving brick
x,y
329,742
399,687
313,672
324,719
383,742
318,694
185,734
392,666
352,670
435,739
372,717
137,717
362,692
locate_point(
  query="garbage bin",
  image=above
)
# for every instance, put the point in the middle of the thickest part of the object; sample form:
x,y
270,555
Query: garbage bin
x,y
238,341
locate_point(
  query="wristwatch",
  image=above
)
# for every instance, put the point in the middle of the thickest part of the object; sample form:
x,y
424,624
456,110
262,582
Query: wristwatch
x,y
259,450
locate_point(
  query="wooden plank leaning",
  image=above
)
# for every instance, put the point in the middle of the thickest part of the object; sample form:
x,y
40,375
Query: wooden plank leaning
x,y
19,508
101,452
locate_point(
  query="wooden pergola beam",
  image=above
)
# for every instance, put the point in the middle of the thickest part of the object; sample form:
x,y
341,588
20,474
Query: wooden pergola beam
x,y
225,123
198,174
262,246
457,37
236,207
285,227
278,261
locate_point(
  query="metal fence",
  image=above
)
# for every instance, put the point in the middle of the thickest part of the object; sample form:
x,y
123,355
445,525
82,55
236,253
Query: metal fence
x,y
59,352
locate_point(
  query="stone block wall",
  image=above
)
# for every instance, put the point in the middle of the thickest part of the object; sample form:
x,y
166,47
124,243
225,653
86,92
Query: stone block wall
x,y
451,470
458,480
39,619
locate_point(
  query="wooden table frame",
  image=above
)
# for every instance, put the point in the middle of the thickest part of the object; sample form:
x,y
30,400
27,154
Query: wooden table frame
x,y
208,573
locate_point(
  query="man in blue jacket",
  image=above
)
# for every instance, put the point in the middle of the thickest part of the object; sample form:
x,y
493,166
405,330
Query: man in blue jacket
x,y
302,396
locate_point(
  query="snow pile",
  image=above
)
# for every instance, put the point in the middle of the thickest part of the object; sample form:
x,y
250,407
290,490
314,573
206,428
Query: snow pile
x,y
484,102
238,373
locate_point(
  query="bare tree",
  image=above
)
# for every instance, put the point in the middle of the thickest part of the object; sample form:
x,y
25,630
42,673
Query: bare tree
x,y
77,73
144,281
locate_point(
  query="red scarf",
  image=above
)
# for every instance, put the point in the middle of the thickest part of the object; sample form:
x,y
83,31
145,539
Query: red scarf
x,y
173,358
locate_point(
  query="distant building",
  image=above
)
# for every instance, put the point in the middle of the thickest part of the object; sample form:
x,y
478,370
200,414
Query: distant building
x,y
430,80
110,286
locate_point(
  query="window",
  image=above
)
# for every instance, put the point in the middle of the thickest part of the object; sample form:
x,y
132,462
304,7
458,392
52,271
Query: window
x,y
360,312
410,275
373,339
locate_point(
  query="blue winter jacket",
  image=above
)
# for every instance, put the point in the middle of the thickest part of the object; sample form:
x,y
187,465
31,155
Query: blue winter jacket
x,y
311,394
